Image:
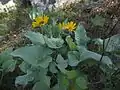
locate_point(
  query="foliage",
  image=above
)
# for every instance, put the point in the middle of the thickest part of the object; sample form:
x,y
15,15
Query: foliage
x,y
7,64
43,59
60,55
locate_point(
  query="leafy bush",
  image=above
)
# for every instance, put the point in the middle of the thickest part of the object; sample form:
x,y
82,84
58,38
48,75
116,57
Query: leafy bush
x,y
7,64
56,52
61,56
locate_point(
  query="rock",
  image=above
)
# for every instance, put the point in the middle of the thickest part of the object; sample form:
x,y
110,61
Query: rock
x,y
4,1
6,5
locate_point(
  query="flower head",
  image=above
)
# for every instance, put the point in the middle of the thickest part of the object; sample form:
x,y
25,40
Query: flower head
x,y
70,26
40,21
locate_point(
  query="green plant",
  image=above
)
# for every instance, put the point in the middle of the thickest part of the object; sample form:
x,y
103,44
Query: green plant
x,y
51,60
7,64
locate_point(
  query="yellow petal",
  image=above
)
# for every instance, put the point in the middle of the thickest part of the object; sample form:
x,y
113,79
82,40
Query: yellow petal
x,y
38,19
45,18
34,24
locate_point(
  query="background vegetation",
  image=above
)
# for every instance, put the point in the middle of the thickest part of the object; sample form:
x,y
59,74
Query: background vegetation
x,y
87,59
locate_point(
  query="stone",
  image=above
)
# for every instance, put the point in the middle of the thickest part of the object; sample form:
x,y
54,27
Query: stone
x,y
6,5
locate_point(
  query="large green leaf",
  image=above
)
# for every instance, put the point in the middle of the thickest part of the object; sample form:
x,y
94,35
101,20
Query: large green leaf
x,y
54,42
32,54
70,43
9,66
6,61
61,62
73,58
62,83
92,55
35,37
113,43
24,66
80,36
39,74
52,67
44,63
40,86
44,81
81,82
24,80
5,55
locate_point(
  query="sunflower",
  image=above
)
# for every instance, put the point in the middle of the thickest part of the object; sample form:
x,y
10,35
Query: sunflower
x,y
40,21
70,26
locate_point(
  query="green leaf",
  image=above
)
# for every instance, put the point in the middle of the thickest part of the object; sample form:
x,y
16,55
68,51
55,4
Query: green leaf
x,y
33,13
114,43
89,62
32,54
35,37
39,74
62,83
61,62
24,80
98,21
71,74
52,67
44,81
54,42
80,36
70,42
44,63
73,58
9,66
6,60
81,82
24,67
40,86
92,55
5,55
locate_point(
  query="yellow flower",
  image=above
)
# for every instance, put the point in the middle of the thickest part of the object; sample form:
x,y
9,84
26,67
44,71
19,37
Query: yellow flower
x,y
35,24
70,26
45,19
40,21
